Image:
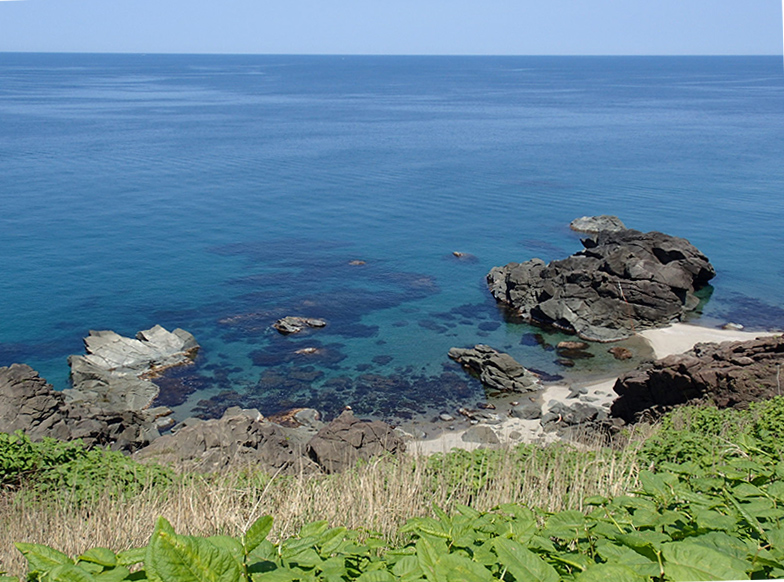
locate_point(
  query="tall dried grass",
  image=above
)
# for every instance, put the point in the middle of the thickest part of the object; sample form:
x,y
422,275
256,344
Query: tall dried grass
x,y
377,497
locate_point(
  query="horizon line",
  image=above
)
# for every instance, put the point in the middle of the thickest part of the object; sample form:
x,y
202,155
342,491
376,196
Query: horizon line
x,y
336,54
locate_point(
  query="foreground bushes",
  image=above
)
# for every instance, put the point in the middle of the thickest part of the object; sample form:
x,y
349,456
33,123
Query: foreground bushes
x,y
685,524
711,506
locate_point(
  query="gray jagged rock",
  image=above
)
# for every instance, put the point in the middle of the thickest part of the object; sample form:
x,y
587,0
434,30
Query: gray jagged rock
x,y
621,282
239,438
496,370
116,371
347,439
727,375
597,224
29,404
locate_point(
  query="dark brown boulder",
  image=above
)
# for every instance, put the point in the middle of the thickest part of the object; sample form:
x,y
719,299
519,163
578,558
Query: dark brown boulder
x,y
621,282
727,375
347,439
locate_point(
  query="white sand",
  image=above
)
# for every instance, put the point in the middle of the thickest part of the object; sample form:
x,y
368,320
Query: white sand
x,y
676,339
681,337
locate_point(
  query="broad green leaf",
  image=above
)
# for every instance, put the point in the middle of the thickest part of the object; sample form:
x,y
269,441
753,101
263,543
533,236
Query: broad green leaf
x,y
776,490
569,520
8,579
522,563
279,575
654,485
427,526
313,529
69,573
572,560
187,559
616,554
713,520
647,543
131,557
686,562
750,519
231,545
456,568
42,558
726,544
745,490
609,573
469,512
428,553
113,575
100,556
257,533
307,558
376,576
407,567
595,500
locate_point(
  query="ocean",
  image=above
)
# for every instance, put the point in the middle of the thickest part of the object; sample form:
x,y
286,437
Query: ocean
x,y
218,193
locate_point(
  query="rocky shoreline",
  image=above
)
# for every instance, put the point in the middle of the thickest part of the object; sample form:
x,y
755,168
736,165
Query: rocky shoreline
x,y
624,283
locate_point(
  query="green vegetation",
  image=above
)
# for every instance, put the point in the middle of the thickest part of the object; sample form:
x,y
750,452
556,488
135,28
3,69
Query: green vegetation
x,y
701,498
68,469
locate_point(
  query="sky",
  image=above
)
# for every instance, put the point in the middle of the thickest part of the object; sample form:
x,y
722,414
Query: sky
x,y
471,27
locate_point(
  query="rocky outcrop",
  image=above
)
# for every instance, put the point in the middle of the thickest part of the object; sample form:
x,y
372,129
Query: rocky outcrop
x,y
496,370
597,224
115,373
289,325
621,282
239,438
730,374
29,404
346,440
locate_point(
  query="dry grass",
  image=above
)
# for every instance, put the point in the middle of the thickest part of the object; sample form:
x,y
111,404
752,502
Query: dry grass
x,y
378,497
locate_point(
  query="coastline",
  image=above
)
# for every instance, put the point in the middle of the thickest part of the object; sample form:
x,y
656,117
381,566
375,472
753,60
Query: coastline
x,y
674,339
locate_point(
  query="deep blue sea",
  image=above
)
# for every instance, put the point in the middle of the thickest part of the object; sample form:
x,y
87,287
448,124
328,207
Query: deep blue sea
x,y
218,193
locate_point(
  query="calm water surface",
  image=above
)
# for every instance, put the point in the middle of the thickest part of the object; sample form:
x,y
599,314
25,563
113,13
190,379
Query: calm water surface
x,y
217,193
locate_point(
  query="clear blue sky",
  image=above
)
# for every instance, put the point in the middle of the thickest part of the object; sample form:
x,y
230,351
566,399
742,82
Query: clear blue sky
x,y
519,27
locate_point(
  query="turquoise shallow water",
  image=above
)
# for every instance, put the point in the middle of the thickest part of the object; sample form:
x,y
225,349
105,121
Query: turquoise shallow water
x,y
216,193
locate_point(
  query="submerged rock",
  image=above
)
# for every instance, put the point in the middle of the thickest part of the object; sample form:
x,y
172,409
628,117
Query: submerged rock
x,y
496,370
623,281
290,325
727,375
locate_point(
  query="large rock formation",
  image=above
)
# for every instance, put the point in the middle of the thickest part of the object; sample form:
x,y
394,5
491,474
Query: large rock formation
x,y
340,444
730,374
29,404
115,373
496,370
239,438
622,282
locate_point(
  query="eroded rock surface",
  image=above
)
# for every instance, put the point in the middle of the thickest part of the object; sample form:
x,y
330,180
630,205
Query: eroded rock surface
x,y
239,438
496,370
347,439
115,372
622,282
597,224
29,404
728,375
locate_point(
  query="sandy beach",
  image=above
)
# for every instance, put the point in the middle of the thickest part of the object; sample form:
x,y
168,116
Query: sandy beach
x,y
675,339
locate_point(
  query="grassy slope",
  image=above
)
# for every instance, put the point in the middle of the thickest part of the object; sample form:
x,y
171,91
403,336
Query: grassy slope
x,y
62,496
